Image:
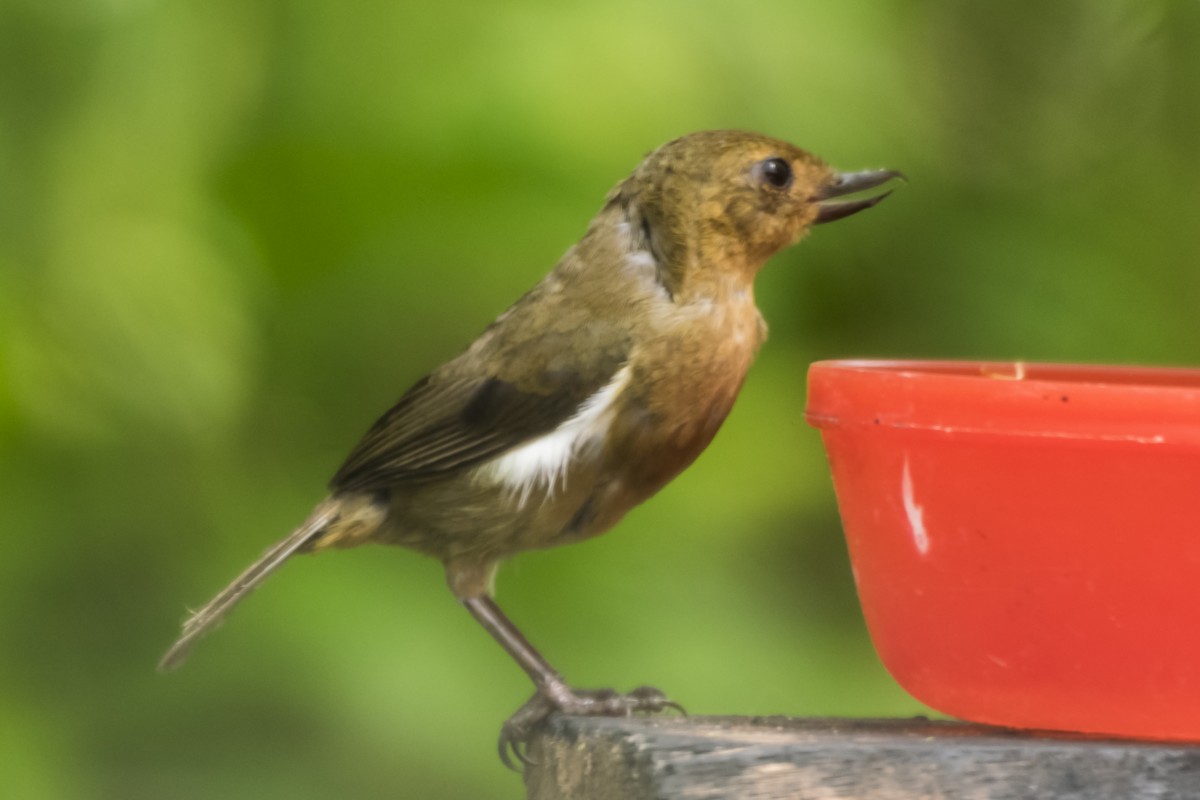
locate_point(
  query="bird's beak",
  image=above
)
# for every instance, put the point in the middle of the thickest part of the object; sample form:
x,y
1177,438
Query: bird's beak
x,y
845,183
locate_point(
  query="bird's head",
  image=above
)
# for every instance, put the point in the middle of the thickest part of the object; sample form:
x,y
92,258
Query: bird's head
x,y
729,200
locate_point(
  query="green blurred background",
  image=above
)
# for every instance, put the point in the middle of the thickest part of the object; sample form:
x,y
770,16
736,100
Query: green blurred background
x,y
232,233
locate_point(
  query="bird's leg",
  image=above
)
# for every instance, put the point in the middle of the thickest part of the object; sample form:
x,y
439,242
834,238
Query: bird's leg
x,y
552,692
502,629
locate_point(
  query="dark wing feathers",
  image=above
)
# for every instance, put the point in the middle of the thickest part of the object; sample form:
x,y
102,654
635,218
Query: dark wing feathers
x,y
445,424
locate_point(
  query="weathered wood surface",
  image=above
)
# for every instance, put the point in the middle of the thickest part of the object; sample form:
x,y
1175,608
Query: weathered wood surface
x,y
705,758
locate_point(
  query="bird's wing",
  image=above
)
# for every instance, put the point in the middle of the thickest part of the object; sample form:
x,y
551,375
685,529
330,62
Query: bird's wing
x,y
453,420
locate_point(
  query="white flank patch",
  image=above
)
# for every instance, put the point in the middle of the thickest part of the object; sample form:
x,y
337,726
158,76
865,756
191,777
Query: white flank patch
x,y
543,462
914,512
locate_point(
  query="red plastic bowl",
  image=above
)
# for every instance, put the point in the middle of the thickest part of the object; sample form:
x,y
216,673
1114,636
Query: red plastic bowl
x,y
1025,537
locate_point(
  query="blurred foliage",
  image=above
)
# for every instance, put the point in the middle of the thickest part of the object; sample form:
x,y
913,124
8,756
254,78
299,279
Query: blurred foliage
x,y
232,233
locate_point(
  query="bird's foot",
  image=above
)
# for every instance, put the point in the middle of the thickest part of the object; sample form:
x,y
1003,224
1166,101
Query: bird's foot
x,y
517,730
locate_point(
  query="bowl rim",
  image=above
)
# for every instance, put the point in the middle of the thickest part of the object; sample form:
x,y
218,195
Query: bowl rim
x,y
1145,405
1028,371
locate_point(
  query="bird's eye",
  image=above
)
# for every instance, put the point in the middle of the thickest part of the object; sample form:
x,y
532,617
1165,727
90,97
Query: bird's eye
x,y
777,172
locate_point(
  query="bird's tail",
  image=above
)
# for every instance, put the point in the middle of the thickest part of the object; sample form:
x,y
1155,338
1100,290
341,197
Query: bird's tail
x,y
214,612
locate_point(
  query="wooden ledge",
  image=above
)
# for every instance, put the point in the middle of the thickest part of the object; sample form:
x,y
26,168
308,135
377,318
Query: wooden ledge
x,y
704,758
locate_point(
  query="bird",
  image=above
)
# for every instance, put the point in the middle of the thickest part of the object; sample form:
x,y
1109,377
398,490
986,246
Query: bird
x,y
584,398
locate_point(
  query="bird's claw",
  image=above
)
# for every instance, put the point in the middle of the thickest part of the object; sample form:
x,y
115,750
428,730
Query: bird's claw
x,y
515,733
517,729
